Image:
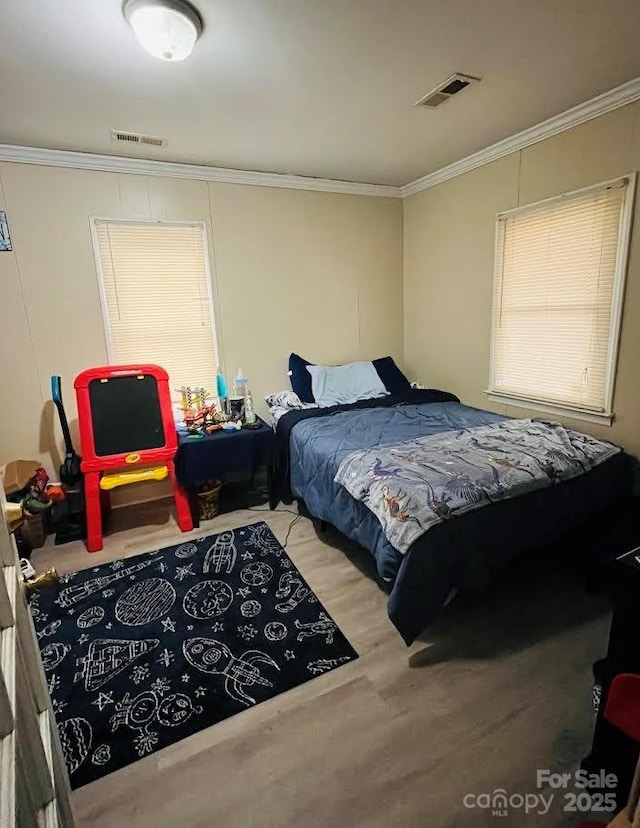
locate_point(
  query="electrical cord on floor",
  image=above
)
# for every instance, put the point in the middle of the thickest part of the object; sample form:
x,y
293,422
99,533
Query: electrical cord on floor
x,y
291,525
269,509
297,517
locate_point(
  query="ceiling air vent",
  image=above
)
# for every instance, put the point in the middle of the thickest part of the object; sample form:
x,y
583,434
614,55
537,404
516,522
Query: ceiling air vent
x,y
456,83
136,138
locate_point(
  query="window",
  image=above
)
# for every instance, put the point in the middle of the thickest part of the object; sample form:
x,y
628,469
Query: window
x,y
557,300
156,296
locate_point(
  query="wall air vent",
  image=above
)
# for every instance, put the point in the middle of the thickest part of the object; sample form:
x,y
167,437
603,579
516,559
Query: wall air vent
x,y
136,138
456,83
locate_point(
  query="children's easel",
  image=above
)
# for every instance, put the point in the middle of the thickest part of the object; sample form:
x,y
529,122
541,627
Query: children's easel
x,y
127,434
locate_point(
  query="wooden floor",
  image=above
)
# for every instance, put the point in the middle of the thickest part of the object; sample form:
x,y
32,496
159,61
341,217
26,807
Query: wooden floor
x,y
499,687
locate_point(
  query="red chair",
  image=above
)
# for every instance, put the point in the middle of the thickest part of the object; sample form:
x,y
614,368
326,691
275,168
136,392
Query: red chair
x,y
127,434
623,711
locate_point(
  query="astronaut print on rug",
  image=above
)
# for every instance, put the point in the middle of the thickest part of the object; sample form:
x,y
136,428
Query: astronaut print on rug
x,y
143,652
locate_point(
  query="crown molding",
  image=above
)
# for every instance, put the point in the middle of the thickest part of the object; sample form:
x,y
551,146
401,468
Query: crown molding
x,y
613,99
144,166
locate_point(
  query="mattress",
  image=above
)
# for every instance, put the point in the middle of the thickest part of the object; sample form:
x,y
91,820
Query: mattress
x,y
461,553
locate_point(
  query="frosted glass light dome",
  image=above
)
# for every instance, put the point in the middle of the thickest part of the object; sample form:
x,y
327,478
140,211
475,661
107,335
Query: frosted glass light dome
x,y
166,29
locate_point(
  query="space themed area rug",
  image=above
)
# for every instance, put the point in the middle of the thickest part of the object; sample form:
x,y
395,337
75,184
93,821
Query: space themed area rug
x,y
142,652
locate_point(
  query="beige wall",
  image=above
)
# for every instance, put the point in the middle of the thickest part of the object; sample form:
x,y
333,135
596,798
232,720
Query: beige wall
x,y
315,272
319,273
449,235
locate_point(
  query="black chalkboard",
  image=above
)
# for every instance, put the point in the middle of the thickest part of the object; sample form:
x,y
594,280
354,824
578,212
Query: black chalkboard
x,y
126,415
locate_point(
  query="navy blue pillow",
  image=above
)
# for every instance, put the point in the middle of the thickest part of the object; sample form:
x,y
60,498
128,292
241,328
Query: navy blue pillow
x,y
392,377
300,378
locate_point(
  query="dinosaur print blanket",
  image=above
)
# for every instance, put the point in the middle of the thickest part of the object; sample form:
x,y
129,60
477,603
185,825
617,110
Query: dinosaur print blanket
x,y
414,485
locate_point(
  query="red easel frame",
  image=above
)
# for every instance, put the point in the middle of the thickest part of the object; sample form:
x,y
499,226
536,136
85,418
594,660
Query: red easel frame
x,y
90,460
93,465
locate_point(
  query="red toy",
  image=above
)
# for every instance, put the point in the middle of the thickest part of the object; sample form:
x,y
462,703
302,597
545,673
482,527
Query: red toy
x,y
126,425
623,711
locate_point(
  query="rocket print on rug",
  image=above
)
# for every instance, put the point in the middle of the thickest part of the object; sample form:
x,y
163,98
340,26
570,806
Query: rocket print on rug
x,y
143,652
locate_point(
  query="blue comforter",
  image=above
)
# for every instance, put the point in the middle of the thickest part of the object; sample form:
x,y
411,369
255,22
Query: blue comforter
x,y
318,446
460,553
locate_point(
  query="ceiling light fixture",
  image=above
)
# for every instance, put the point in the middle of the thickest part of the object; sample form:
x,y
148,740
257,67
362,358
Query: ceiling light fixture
x,y
166,29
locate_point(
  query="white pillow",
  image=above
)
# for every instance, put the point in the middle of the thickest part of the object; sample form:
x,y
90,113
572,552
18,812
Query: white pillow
x,y
344,384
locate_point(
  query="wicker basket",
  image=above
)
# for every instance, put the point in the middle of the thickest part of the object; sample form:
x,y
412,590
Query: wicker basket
x,y
209,500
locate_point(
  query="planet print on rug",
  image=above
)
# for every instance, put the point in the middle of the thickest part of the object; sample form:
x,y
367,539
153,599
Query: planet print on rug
x,y
89,617
144,602
207,599
143,652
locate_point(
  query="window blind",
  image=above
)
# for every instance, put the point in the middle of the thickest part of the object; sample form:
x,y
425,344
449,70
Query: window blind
x,y
553,307
157,298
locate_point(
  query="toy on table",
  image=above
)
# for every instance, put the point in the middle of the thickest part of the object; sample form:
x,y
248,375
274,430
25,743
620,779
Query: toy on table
x,y
126,422
200,417
232,425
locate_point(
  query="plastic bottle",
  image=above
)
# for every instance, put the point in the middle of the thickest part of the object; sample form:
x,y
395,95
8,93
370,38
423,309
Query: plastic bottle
x,y
240,384
221,385
249,413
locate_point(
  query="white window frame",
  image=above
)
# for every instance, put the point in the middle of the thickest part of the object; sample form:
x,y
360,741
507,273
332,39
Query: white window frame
x,y
108,336
622,260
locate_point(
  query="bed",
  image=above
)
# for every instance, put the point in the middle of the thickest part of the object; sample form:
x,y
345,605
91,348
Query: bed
x,y
461,553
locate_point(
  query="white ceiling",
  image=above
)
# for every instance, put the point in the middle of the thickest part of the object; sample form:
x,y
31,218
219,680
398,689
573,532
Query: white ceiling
x,y
309,87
